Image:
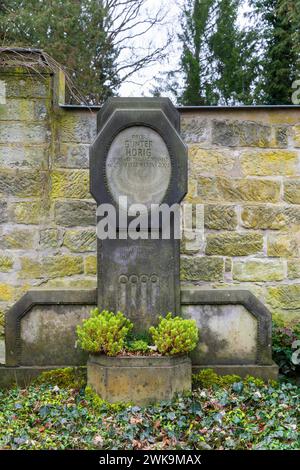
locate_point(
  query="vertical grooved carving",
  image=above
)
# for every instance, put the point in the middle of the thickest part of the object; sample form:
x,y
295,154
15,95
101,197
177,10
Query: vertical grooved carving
x,y
138,294
123,281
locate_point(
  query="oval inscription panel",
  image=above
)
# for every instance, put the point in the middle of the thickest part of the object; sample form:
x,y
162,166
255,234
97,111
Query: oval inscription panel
x,y
138,166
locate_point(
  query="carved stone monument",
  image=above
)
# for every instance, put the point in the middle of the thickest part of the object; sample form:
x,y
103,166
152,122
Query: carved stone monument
x,y
138,157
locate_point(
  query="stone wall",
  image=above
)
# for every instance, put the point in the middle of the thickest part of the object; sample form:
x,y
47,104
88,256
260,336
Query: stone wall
x,y
243,167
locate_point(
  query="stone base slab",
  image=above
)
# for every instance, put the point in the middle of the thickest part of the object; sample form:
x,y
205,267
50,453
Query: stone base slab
x,y
265,372
23,375
140,380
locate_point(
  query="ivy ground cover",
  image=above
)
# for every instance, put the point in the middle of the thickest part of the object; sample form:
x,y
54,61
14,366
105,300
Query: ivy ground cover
x,y
240,415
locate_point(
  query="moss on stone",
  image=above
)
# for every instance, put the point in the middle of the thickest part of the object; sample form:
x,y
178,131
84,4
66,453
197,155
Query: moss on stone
x,y
18,239
212,161
292,191
207,378
234,244
26,212
220,189
296,135
6,292
20,84
90,264
77,127
6,263
264,217
70,283
49,238
74,213
258,270
284,296
219,217
80,240
70,184
2,320
98,404
201,268
51,266
69,377
285,245
241,133
269,162
21,183
294,269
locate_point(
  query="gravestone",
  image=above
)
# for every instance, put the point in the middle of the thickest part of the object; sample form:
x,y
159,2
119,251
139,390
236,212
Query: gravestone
x,y
138,154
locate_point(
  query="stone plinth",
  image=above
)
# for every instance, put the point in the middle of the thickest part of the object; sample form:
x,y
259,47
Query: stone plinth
x,y
40,329
140,380
235,332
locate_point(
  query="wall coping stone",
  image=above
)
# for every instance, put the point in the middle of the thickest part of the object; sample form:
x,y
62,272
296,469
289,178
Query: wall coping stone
x,y
183,109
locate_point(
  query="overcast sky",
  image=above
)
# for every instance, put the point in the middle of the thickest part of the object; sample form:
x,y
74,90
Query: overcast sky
x,y
145,80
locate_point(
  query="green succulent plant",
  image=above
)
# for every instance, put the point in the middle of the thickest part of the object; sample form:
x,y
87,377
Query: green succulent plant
x,y
175,335
104,332
137,345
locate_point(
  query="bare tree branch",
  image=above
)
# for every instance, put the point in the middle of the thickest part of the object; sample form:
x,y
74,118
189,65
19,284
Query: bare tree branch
x,y
127,22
